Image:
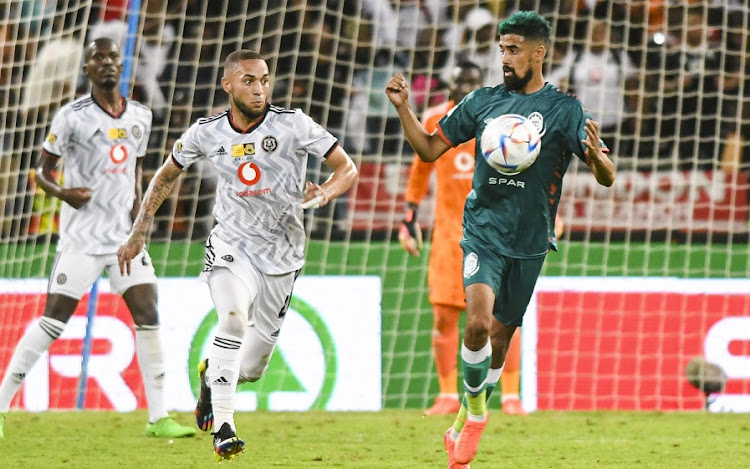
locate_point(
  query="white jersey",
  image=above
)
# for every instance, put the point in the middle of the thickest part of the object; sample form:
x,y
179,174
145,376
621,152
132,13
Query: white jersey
x,y
261,184
99,152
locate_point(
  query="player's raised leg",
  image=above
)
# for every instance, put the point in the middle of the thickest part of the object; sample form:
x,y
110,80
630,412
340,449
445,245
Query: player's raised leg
x,y
444,348
232,299
511,378
476,355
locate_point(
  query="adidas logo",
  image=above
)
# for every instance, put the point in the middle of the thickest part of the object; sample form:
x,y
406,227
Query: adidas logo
x,y
221,381
276,333
97,133
18,377
221,151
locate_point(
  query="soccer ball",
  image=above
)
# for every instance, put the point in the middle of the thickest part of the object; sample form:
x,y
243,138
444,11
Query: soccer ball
x,y
510,144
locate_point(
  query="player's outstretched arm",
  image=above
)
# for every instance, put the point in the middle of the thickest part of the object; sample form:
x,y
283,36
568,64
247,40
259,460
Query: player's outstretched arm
x,y
344,175
599,163
429,147
76,197
161,186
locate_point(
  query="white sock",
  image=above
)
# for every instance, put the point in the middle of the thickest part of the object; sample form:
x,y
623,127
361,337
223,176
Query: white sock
x,y
493,376
151,363
35,341
223,372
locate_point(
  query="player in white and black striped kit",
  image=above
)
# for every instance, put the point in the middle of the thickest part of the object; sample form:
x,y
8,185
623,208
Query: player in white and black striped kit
x,y
102,137
255,251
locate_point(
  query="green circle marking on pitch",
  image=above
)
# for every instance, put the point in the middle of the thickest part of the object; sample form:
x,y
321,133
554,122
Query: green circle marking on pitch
x,y
279,376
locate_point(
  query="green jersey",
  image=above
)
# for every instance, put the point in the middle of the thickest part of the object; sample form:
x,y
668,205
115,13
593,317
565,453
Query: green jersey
x,y
515,215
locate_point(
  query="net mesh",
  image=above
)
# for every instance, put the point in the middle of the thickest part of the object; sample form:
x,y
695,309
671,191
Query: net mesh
x,y
668,81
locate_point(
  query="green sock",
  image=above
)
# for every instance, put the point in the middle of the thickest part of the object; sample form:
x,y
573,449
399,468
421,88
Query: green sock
x,y
488,390
458,424
493,377
476,367
477,404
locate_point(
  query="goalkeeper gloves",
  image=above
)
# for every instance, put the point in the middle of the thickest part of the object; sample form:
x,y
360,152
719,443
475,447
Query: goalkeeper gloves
x,y
409,233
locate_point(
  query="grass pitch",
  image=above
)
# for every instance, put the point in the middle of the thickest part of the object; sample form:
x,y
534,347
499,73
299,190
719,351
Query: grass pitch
x,y
387,439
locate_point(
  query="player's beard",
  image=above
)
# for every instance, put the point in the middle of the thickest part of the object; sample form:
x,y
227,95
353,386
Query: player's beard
x,y
246,111
109,83
514,83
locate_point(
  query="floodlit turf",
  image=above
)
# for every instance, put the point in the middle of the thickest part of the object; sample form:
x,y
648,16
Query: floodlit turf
x,y
388,439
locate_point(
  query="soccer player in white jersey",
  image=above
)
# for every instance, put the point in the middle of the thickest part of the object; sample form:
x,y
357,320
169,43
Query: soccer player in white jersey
x,y
256,249
103,138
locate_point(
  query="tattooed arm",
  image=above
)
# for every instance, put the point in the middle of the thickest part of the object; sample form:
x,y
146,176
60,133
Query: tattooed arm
x,y
161,186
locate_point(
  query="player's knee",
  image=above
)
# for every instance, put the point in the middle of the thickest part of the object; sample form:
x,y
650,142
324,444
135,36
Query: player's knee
x,y
248,379
60,307
233,323
253,372
148,317
445,325
445,319
478,326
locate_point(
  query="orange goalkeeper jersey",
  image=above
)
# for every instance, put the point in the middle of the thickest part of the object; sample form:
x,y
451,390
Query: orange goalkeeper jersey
x,y
454,170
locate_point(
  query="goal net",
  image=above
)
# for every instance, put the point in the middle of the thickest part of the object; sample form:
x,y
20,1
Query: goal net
x,y
649,274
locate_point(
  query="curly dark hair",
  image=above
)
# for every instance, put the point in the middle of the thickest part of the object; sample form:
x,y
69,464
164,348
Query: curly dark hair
x,y
528,24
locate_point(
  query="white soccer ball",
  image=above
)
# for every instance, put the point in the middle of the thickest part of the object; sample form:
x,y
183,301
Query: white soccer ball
x,y
510,144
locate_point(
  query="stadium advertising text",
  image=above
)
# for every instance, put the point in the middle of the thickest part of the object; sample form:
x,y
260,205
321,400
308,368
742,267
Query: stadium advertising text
x,y
657,201
322,361
694,201
629,341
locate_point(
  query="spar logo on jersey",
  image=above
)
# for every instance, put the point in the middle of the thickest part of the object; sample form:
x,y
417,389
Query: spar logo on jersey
x,y
118,153
249,173
243,149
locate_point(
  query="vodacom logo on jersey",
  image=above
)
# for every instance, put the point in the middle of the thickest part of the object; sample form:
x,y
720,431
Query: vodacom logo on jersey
x,y
249,173
118,153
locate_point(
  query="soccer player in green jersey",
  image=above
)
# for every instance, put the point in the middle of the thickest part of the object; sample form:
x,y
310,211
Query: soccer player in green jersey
x,y
508,220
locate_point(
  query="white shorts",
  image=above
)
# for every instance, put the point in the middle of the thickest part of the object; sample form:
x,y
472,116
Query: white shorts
x,y
270,294
73,273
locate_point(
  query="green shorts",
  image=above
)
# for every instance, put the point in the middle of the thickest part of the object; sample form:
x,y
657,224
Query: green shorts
x,y
511,279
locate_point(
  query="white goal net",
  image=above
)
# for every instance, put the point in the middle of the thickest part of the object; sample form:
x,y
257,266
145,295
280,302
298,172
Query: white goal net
x,y
649,273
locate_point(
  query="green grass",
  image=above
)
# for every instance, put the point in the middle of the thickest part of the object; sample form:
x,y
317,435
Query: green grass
x,y
383,440
178,259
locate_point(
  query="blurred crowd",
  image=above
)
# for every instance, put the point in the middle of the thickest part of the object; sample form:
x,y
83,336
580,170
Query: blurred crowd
x,y
669,80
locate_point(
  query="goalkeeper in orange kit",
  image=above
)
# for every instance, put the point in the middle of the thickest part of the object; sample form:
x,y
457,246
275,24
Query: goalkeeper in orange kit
x,y
454,172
